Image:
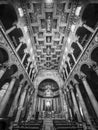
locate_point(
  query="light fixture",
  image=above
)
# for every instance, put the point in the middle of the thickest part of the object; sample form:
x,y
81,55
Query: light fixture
x,y
25,29
47,103
25,50
31,66
48,1
62,63
33,57
73,27
68,40
28,41
31,50
78,9
64,57
20,12
66,49
29,59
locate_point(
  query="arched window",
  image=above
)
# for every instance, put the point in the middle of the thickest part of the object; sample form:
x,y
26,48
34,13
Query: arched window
x,y
8,15
3,90
90,15
94,55
3,56
83,35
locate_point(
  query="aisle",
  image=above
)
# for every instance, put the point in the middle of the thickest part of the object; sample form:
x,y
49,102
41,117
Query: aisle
x,y
48,124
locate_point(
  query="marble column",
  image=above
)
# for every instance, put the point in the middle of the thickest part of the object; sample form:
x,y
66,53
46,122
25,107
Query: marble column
x,y
2,71
3,90
90,93
18,47
64,74
24,57
27,66
11,29
69,97
30,71
73,57
66,70
26,102
80,46
35,101
95,69
76,109
61,99
67,105
68,62
21,102
88,28
31,108
6,97
82,102
54,105
41,104
15,102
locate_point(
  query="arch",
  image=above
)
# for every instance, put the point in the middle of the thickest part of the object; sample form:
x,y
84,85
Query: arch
x,y
76,50
94,55
71,60
3,56
21,50
76,77
85,69
26,82
54,85
47,74
8,15
26,60
83,35
13,69
15,35
21,77
90,14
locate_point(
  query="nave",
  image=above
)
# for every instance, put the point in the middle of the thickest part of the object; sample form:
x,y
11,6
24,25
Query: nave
x,y
48,65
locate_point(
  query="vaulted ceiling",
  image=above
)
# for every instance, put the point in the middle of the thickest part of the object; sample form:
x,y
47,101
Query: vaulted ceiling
x,y
48,22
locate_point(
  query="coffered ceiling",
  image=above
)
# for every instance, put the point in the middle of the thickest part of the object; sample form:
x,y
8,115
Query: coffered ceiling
x,y
48,22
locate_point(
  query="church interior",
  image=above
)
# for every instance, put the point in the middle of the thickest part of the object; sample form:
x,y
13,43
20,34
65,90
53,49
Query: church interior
x,y
48,64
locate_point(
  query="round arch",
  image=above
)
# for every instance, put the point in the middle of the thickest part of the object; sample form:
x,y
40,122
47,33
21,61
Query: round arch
x,y
51,82
48,74
94,55
90,14
8,15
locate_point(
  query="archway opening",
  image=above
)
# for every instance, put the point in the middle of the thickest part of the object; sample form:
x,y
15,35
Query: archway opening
x,y
49,98
94,55
90,15
8,15
3,56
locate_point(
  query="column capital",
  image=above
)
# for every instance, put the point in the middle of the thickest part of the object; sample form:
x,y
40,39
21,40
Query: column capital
x,y
82,76
60,90
64,90
21,85
70,87
67,90
75,82
95,67
15,76
26,87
